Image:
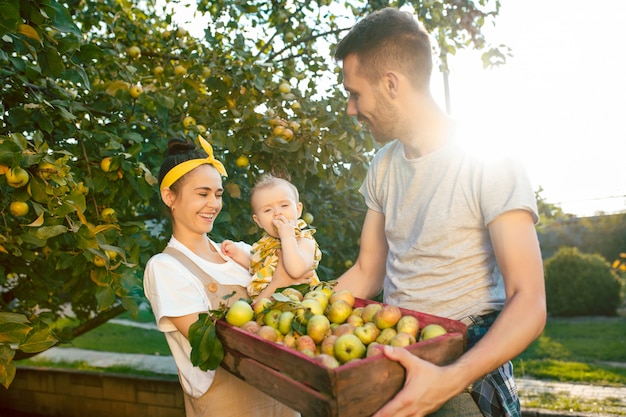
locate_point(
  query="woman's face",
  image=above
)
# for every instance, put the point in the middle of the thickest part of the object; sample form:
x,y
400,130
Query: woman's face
x,y
197,202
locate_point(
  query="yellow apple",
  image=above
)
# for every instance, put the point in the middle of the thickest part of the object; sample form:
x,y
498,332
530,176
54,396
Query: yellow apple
x,y
349,347
293,294
108,215
328,344
242,161
271,318
46,170
99,261
431,330
18,208
239,313
17,177
313,305
305,342
158,70
318,295
189,121
408,324
134,51
339,311
386,335
318,327
369,311
105,164
343,295
402,339
367,333
135,91
180,70
284,88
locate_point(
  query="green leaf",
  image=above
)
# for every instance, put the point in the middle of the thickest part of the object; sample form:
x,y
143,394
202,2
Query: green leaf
x,y
7,367
13,327
38,340
216,352
47,232
105,297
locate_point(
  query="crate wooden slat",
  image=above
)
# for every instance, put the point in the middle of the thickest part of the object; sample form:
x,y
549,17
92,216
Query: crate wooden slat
x,y
355,389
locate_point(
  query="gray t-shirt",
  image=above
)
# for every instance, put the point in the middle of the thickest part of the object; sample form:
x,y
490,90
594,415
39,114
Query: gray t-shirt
x,y
437,208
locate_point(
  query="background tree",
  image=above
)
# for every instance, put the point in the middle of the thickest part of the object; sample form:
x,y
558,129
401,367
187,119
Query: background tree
x,y
92,91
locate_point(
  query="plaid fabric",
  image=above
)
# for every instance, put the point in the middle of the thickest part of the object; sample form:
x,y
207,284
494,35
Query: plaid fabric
x,y
496,392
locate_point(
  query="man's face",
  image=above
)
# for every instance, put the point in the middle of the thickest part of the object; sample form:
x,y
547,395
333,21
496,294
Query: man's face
x,y
369,103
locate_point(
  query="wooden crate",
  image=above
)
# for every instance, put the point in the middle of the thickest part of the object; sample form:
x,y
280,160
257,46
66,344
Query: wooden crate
x,y
354,389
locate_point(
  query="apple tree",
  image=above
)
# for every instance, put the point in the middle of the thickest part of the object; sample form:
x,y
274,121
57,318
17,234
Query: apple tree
x,y
91,93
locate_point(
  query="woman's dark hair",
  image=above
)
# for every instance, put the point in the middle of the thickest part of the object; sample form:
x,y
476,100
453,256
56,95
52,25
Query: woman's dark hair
x,y
178,151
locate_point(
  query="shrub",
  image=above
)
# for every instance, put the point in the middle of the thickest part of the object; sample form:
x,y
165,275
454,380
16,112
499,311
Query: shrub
x,y
580,284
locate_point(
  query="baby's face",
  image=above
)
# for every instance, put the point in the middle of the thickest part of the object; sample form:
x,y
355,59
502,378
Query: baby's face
x,y
273,203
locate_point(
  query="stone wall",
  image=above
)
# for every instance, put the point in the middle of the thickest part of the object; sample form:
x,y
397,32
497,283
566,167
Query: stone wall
x,y
71,393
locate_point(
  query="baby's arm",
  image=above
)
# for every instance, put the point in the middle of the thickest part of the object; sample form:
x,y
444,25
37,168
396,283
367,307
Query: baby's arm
x,y
298,254
237,254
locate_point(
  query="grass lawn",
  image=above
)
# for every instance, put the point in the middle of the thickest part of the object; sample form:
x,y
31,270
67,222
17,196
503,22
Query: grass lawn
x,y
582,349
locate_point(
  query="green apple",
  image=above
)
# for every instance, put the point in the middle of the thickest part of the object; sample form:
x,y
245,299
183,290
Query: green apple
x,y
313,305
339,311
385,336
284,321
318,327
319,296
239,313
402,339
387,316
369,311
408,324
367,333
271,318
349,347
431,330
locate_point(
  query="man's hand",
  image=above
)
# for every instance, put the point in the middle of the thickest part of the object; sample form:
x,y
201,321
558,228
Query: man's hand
x,y
426,388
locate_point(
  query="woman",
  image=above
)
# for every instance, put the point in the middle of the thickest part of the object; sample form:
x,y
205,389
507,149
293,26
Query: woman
x,y
191,276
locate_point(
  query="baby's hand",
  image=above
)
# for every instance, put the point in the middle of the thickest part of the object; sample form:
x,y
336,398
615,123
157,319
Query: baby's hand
x,y
284,227
228,248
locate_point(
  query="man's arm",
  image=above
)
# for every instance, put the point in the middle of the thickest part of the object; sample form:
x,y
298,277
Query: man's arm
x,y
521,321
365,278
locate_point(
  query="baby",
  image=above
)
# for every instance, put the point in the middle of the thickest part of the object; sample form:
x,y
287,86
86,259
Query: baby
x,y
276,208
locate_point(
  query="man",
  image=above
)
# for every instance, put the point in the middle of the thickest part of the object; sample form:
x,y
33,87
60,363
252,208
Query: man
x,y
446,232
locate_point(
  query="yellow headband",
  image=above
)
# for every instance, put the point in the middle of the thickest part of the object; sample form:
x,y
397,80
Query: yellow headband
x,y
181,169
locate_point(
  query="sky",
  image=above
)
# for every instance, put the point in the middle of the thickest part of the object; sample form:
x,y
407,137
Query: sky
x,y
559,104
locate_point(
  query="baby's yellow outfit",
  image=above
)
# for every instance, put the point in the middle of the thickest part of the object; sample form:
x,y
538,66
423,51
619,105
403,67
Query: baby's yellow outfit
x,y
264,258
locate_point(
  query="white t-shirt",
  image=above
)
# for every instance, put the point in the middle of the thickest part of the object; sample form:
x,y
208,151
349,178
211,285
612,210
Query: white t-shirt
x,y
173,291
437,209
